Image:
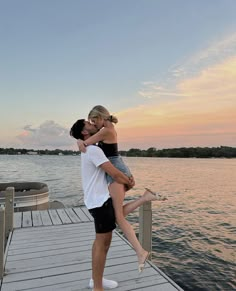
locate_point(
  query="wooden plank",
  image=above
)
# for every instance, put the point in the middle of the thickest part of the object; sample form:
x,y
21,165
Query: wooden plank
x,y
23,235
27,219
56,228
58,257
54,251
85,210
17,219
125,282
161,287
73,237
56,238
62,258
46,281
64,240
71,268
37,220
79,285
54,217
16,255
63,216
82,245
45,217
130,282
38,249
83,217
74,218
65,274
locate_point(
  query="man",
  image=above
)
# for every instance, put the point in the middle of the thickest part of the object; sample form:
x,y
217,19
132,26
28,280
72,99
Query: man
x,y
94,166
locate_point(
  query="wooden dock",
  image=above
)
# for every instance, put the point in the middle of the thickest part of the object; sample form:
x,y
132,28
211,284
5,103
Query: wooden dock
x,y
51,250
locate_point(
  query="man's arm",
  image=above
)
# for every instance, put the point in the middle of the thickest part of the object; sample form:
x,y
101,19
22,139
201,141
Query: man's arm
x,y
98,158
117,175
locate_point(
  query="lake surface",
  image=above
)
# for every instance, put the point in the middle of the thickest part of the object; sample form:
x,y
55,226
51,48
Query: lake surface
x,y
194,232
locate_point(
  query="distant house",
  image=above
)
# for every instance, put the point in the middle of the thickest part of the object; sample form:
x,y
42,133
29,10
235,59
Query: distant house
x,y
60,154
32,153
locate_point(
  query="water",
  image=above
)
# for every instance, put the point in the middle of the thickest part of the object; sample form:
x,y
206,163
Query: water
x,y
194,232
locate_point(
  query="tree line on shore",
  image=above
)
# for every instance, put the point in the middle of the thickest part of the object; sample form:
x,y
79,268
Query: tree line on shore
x,y
183,152
191,152
12,151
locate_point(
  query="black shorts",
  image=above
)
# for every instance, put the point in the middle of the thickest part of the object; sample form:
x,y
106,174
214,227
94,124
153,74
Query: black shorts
x,y
104,217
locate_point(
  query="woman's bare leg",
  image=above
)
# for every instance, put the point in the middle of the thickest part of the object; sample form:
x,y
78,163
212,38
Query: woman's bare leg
x,y
117,192
131,206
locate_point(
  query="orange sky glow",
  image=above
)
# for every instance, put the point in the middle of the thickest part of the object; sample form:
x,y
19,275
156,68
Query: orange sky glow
x,y
204,111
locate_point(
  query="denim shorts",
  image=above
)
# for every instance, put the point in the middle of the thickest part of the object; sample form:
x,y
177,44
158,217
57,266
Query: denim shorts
x,y
120,165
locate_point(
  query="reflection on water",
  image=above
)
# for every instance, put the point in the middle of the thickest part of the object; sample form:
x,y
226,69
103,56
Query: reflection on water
x,y
194,232
61,174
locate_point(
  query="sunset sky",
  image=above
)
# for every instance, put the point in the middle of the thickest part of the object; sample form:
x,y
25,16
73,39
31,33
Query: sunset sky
x,y
165,68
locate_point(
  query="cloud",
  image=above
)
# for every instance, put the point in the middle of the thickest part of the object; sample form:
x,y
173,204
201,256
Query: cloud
x,y
195,110
28,128
194,105
47,135
216,52
214,86
157,92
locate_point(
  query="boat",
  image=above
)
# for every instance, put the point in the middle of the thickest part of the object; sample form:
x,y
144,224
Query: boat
x,y
28,195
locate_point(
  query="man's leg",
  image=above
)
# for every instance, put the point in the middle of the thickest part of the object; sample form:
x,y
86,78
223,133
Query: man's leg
x,y
104,221
99,252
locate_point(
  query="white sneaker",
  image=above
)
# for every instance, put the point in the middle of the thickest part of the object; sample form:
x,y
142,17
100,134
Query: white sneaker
x,y
107,284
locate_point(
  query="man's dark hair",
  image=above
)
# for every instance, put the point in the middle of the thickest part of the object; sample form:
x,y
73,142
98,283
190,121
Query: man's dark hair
x,y
77,128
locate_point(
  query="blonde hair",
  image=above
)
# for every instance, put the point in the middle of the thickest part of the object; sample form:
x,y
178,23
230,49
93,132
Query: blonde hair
x,y
102,112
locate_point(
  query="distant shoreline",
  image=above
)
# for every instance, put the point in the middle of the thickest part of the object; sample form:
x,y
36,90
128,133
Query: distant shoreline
x,y
190,152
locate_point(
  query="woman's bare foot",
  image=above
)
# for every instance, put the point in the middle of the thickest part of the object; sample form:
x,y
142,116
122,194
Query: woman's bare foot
x,y
149,195
142,260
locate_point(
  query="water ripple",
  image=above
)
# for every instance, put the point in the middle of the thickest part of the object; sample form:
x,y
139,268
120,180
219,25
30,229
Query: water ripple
x,y
194,232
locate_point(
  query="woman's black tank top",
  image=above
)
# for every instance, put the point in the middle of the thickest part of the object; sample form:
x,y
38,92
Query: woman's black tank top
x,y
109,149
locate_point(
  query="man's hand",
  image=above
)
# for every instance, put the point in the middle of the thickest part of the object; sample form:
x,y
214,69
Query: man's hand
x,y
81,145
131,184
117,175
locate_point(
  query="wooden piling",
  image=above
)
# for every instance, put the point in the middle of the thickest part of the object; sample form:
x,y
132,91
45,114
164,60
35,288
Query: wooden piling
x,y
9,211
145,226
2,240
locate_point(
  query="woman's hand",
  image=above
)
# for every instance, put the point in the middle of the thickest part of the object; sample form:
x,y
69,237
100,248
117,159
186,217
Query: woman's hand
x,y
81,145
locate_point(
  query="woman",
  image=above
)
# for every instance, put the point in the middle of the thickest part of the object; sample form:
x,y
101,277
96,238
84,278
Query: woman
x,y
106,138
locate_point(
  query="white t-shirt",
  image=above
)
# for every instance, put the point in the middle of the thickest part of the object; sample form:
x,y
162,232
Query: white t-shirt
x,y
94,182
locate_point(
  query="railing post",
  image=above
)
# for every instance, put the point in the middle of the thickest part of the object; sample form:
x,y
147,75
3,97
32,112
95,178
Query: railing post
x,y
2,240
145,226
9,211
